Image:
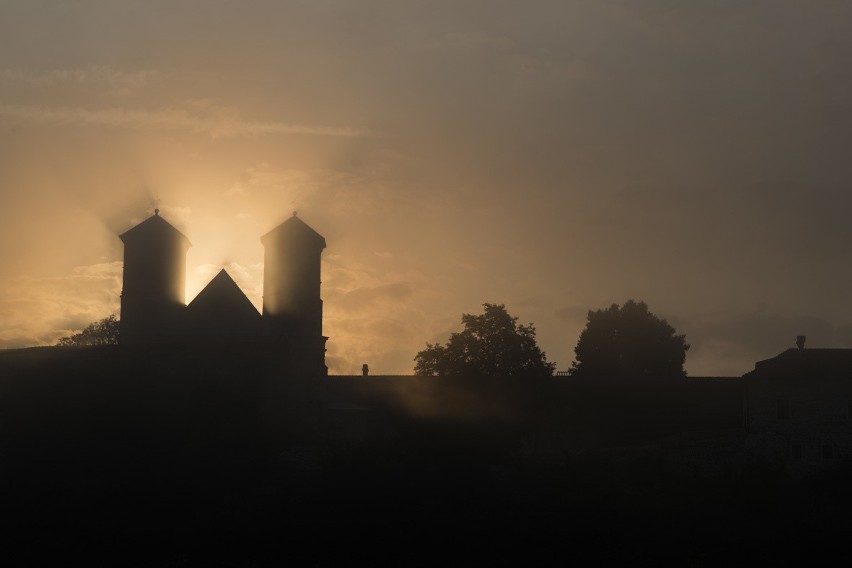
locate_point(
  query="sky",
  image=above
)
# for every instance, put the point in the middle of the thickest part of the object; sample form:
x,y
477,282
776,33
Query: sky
x,y
553,156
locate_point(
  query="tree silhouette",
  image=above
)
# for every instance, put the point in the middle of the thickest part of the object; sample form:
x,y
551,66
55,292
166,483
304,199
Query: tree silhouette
x,y
492,344
101,332
629,342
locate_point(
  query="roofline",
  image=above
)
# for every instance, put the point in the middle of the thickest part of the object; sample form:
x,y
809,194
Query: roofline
x,y
185,238
234,282
266,235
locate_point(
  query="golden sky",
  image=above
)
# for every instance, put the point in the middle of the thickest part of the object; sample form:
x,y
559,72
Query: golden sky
x,y
555,156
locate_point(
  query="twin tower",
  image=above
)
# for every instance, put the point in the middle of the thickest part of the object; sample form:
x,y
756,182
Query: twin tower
x,y
154,312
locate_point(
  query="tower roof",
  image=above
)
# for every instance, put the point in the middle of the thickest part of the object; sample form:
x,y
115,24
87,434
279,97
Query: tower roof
x,y
294,229
153,226
223,303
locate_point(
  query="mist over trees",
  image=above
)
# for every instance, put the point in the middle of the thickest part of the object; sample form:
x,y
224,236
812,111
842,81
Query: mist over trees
x,y
619,343
101,332
491,344
629,342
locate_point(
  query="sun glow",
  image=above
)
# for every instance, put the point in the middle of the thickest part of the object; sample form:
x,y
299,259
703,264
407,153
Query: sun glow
x,y
248,277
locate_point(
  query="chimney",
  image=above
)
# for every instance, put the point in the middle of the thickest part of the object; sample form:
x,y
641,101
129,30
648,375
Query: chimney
x,y
800,341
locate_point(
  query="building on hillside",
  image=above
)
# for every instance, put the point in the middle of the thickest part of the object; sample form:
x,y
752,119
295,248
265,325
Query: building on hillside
x,y
153,282
798,409
292,306
154,310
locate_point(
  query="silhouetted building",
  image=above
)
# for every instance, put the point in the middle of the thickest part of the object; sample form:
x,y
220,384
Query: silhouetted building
x,y
798,409
153,309
292,307
222,313
153,294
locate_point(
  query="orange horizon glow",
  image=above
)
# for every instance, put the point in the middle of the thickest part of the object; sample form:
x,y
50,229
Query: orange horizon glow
x,y
555,159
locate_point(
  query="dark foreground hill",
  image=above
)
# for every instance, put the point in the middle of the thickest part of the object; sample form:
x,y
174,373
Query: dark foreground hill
x,y
176,458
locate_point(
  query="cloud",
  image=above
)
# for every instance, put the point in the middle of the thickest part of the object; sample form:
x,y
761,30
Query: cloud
x,y
386,342
732,344
367,297
106,78
215,121
358,193
371,317
101,271
573,314
764,333
263,177
15,342
471,40
37,311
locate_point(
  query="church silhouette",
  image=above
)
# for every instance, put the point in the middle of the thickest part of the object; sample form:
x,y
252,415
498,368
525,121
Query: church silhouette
x,y
154,312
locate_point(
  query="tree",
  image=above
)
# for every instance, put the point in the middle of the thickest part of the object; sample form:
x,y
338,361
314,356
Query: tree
x,y
101,332
629,342
492,344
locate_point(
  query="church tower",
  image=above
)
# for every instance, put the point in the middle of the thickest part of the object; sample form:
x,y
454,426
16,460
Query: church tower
x,y
153,298
292,307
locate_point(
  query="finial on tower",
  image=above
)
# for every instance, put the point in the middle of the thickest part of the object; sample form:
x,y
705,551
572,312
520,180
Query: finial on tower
x,y
156,211
295,212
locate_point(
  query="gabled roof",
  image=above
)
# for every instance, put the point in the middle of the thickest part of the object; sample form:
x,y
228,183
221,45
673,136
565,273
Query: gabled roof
x,y
294,229
223,299
153,226
805,364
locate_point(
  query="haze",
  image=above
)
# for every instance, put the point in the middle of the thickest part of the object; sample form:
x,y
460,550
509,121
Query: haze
x,y
553,156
